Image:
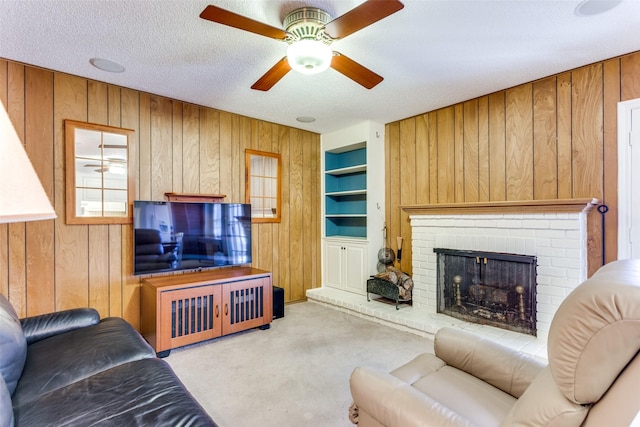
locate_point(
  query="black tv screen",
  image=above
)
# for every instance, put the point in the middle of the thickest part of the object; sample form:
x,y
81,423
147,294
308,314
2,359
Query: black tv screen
x,y
171,236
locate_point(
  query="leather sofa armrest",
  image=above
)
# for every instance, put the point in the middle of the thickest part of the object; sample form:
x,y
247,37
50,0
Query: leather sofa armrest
x,y
37,328
509,370
394,403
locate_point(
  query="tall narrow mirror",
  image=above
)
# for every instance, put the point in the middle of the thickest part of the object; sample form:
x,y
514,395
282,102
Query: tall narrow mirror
x,y
262,185
99,179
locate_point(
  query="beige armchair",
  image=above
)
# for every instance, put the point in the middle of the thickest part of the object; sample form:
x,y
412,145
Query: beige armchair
x,y
592,377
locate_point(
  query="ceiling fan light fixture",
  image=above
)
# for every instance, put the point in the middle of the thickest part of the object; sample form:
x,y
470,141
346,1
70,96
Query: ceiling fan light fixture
x,y
309,56
117,169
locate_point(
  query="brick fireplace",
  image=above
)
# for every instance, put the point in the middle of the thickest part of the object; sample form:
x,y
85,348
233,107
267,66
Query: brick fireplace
x,y
552,231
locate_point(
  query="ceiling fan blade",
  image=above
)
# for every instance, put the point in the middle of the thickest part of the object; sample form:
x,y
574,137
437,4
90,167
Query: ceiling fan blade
x,y
225,17
356,72
362,16
273,76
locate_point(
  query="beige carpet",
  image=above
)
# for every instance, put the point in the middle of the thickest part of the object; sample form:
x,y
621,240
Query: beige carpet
x,y
294,374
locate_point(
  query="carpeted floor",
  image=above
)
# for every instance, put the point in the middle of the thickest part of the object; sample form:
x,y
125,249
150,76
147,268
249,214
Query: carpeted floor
x,y
294,374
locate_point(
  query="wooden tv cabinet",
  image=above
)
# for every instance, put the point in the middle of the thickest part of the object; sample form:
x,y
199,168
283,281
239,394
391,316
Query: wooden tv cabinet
x,y
188,308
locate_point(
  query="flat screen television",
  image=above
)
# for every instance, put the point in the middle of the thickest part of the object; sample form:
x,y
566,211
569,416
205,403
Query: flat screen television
x,y
172,236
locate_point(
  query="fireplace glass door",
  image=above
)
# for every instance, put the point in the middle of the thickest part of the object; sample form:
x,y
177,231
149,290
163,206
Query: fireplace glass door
x,y
489,288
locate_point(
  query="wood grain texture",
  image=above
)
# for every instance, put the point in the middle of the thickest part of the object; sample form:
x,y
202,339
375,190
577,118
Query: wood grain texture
x,y
545,148
39,144
554,138
611,87
483,149
408,170
422,159
563,129
71,241
471,159
446,156
49,265
519,143
458,144
497,147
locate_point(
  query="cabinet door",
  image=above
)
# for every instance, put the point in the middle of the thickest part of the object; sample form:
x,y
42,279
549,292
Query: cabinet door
x,y
188,316
247,304
355,268
333,264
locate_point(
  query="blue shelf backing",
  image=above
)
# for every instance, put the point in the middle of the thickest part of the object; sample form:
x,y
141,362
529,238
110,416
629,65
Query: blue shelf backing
x,y
347,182
345,159
355,204
346,226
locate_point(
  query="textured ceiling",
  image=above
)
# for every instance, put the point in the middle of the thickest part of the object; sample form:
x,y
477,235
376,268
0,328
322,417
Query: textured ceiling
x,y
431,53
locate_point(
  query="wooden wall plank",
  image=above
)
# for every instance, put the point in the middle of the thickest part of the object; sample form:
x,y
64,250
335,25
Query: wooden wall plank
x,y
545,146
191,148
307,213
470,140
433,157
407,182
4,228
587,138
611,88
98,112
587,150
71,241
115,271
458,163
422,159
144,148
564,135
630,77
284,230
209,151
446,155
226,152
483,149
161,147
176,149
40,254
296,211
394,184
519,143
17,231
497,147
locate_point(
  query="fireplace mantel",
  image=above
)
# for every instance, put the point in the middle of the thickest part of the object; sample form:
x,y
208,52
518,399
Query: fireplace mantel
x,y
497,207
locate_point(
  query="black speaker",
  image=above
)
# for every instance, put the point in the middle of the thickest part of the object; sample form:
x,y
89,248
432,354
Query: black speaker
x,y
278,302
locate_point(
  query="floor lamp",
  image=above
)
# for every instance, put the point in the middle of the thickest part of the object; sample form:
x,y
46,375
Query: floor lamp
x,y
22,197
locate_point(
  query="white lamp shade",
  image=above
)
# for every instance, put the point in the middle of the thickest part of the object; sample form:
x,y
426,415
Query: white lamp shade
x,y
309,56
22,197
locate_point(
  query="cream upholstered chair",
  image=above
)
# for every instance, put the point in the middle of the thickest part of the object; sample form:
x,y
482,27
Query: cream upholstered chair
x,y
591,379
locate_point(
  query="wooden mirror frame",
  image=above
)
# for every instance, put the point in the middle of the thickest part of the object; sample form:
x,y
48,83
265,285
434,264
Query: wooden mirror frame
x,y
257,196
100,154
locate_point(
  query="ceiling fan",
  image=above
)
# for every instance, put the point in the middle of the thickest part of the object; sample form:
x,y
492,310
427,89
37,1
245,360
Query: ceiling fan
x,y
309,32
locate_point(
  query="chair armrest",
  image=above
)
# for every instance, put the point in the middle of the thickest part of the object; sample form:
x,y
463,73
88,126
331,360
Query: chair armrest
x,y
394,403
37,328
509,370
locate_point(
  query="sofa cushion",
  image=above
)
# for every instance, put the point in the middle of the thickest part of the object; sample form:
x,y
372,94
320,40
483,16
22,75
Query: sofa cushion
x,y
13,345
596,331
6,409
141,393
63,359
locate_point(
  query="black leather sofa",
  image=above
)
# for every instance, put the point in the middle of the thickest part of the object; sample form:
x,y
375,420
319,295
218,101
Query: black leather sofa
x,y
72,369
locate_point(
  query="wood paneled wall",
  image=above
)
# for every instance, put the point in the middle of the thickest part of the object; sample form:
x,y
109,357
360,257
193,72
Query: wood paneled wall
x,y
49,266
555,138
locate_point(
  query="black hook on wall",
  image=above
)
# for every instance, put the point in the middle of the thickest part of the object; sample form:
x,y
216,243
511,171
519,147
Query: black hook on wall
x,y
603,209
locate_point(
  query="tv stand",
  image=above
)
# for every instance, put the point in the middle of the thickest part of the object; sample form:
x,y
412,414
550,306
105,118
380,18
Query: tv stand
x,y
188,308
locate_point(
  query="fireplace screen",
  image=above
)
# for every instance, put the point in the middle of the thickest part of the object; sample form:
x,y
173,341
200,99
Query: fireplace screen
x,y
489,288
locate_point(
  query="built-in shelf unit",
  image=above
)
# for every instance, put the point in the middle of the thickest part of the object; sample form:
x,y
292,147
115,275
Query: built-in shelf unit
x,y
353,204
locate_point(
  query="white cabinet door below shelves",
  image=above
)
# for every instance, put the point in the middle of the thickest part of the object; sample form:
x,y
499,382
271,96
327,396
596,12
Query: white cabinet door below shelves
x,y
345,265
333,266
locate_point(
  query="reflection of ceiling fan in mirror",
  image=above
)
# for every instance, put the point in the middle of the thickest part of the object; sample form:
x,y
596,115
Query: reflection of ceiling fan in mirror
x,y
309,31
114,166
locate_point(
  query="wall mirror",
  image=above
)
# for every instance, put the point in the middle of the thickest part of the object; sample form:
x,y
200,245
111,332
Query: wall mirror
x,y
99,179
262,181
